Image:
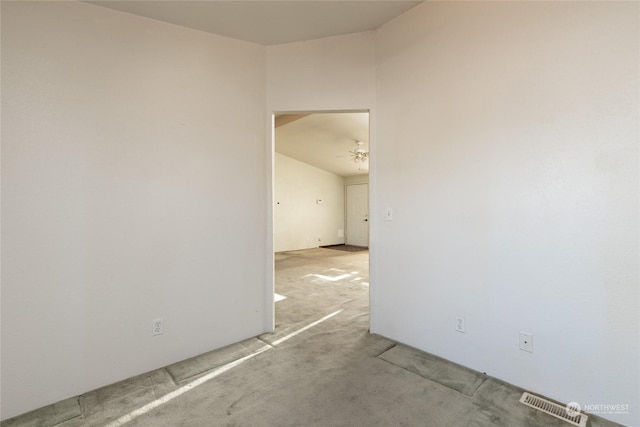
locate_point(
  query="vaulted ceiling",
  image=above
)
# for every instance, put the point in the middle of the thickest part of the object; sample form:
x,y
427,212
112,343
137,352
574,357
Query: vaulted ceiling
x,y
324,140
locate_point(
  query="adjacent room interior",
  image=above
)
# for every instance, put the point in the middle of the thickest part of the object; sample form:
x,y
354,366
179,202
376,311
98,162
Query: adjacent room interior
x,y
321,201
321,180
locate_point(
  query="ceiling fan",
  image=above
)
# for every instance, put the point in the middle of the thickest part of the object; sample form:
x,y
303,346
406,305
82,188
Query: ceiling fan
x,y
358,155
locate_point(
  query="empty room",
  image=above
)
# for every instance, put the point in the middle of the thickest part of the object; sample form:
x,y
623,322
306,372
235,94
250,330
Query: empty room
x,y
155,273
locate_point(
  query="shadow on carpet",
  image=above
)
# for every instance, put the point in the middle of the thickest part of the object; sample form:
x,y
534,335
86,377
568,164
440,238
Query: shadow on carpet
x,y
448,374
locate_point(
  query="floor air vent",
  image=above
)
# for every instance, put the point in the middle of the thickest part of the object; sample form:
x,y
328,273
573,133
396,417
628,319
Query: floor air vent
x,y
569,413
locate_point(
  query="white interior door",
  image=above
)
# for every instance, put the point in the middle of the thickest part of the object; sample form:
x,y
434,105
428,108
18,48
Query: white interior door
x,y
358,215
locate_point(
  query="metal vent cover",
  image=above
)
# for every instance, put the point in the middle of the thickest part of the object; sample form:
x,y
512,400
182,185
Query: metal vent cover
x,y
570,413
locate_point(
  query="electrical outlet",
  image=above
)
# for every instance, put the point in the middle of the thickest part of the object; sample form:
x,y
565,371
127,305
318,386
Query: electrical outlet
x,y
526,341
460,324
157,327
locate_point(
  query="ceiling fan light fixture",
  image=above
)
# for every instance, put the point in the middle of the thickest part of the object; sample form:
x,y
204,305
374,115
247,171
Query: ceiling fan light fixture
x,y
359,154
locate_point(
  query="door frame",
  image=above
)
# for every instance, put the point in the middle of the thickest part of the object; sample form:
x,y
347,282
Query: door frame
x,y
346,211
270,319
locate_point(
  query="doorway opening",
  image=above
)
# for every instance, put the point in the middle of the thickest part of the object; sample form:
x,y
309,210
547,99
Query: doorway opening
x,y
320,211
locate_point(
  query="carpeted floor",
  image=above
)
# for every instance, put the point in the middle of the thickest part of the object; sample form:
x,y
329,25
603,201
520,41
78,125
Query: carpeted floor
x,y
321,367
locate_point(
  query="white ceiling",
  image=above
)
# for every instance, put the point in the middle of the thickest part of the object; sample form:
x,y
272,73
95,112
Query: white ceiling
x,y
268,22
324,140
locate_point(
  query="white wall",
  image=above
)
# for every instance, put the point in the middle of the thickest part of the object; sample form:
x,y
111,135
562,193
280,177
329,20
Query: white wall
x,y
508,149
330,74
122,139
358,179
299,221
